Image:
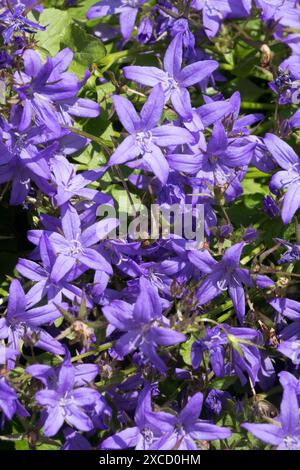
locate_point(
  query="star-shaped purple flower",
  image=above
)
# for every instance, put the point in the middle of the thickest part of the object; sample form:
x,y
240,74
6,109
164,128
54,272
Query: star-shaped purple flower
x,y
284,434
144,326
223,275
145,139
186,427
173,79
128,10
75,247
15,21
23,323
66,403
288,178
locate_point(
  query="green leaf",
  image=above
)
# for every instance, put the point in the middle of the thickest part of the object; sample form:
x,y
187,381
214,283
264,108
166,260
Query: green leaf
x,y
114,57
234,342
48,447
185,350
87,49
22,445
223,383
57,22
251,187
248,89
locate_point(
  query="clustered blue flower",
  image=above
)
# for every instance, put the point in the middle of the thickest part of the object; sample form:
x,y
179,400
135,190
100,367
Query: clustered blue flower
x,y
103,324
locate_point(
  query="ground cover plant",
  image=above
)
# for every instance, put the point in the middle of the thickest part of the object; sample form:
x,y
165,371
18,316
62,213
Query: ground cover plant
x,y
113,336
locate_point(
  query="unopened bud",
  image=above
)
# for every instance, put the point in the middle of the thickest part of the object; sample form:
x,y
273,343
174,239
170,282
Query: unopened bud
x,y
265,409
32,438
267,55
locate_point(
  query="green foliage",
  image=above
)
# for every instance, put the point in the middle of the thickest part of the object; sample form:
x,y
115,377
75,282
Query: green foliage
x,y
64,30
86,48
57,22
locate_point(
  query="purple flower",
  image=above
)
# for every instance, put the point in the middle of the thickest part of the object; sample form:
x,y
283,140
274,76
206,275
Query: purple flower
x,y
285,432
288,380
48,92
225,230
8,355
290,335
215,401
128,10
22,162
214,342
145,138
5,60
220,164
270,207
288,178
23,323
284,86
84,374
45,285
281,12
185,428
223,275
144,326
75,441
14,21
292,254
214,12
149,426
145,30
173,79
9,402
244,353
69,184
250,235
66,403
181,27
75,248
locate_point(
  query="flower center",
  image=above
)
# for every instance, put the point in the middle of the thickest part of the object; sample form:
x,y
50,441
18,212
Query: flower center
x,y
222,284
19,143
75,248
17,24
292,442
217,339
294,253
283,80
25,181
130,3
17,326
66,401
144,139
212,10
169,84
292,175
147,435
213,159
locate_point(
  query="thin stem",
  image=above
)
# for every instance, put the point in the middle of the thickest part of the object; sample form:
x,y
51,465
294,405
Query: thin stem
x,y
297,230
225,215
135,92
274,271
169,12
13,438
124,183
187,8
103,347
249,105
9,6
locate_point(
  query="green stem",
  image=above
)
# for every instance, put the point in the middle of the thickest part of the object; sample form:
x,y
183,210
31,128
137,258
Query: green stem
x,y
103,347
297,230
89,136
249,105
